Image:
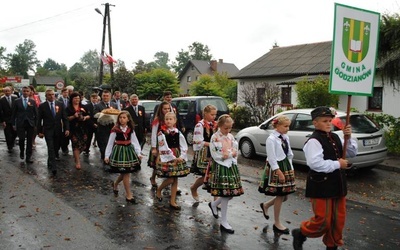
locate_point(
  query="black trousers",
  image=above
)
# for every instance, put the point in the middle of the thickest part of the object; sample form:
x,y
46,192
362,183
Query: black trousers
x,y
102,135
10,135
53,139
90,133
25,131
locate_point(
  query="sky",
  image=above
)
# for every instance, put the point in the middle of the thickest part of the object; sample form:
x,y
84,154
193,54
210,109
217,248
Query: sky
x,y
236,31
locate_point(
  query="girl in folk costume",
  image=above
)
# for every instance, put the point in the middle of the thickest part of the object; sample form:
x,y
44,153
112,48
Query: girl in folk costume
x,y
172,157
158,121
201,141
123,153
278,178
225,178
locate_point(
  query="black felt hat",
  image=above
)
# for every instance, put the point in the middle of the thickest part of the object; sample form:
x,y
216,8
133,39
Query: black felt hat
x,y
322,111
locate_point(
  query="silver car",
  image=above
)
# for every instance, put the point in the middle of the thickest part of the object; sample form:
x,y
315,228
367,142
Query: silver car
x,y
371,143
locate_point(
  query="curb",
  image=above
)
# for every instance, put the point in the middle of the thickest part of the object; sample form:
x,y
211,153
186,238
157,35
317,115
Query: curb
x,y
388,168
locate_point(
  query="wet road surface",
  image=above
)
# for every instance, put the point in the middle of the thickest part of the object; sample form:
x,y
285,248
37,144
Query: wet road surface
x,y
77,210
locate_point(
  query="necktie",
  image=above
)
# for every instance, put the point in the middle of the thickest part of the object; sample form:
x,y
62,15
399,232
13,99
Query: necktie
x,y
9,100
107,106
25,103
135,107
52,109
285,145
65,102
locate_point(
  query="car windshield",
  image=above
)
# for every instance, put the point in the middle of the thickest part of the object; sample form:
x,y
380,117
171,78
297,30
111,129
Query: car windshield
x,y
149,106
360,124
220,105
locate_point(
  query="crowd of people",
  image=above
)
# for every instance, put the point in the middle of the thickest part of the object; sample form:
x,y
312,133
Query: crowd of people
x,y
72,119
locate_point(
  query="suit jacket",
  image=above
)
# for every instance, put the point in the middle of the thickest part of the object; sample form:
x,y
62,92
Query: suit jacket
x,y
101,105
5,109
122,103
89,107
61,99
48,124
139,120
20,114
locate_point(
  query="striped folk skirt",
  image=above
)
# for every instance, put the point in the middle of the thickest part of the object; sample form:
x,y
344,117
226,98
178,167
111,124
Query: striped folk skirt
x,y
224,181
200,162
171,169
123,159
270,185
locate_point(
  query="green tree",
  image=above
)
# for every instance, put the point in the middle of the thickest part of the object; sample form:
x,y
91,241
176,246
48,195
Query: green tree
x,y
162,60
123,80
206,85
151,85
389,47
197,51
76,70
142,67
51,65
24,58
2,58
91,61
228,86
315,93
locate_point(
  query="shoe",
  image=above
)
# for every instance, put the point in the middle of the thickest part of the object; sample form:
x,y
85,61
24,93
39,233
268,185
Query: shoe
x,y
332,248
132,200
115,191
298,239
65,153
176,207
262,208
227,230
86,153
21,155
153,185
57,158
212,211
281,231
179,192
29,160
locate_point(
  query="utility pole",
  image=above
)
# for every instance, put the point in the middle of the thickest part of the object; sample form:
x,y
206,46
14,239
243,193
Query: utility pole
x,y
106,20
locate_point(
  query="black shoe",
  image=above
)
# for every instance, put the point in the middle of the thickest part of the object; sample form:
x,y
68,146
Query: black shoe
x,y
21,155
65,152
284,231
29,160
332,248
57,158
115,191
176,207
212,211
133,201
178,192
224,229
298,239
266,216
86,153
54,172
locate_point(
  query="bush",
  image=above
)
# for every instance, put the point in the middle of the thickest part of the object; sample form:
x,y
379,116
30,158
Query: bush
x,y
240,115
391,125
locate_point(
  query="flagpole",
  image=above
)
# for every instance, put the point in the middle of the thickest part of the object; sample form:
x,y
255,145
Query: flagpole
x,y
346,137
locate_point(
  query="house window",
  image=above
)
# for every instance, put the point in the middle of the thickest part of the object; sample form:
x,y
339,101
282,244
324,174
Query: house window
x,y
192,67
189,79
260,96
286,97
375,101
197,78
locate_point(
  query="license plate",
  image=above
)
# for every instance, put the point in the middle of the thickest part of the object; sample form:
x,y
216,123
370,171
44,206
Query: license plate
x,y
371,142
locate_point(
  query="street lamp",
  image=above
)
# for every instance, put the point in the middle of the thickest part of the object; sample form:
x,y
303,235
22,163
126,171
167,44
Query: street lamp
x,y
106,20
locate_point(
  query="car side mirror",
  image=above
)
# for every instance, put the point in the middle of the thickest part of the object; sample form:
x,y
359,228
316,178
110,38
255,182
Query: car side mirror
x,y
263,126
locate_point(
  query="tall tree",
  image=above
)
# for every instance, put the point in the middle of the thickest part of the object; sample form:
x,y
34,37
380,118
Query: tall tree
x,y
151,85
123,80
91,61
162,60
51,65
2,57
389,47
24,58
197,51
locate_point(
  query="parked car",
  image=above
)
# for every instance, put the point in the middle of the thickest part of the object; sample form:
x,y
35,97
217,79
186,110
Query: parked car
x,y
371,143
149,109
190,110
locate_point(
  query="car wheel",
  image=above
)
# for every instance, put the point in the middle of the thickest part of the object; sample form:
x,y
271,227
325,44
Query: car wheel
x,y
189,137
246,148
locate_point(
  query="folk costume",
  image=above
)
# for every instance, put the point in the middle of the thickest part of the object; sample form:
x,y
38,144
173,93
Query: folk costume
x,y
279,156
201,159
155,129
171,145
224,175
123,149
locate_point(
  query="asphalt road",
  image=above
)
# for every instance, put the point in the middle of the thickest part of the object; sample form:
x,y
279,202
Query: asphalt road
x,y
77,210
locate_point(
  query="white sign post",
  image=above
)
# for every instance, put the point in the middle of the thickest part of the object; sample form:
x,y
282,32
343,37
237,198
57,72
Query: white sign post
x,y
354,51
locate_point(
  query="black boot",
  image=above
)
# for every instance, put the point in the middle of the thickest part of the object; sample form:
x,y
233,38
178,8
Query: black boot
x,y
298,239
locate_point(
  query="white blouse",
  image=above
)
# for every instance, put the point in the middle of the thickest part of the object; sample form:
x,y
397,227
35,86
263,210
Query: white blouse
x,y
111,141
220,144
166,153
275,151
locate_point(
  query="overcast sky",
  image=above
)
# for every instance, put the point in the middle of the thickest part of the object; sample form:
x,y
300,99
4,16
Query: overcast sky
x,y
236,31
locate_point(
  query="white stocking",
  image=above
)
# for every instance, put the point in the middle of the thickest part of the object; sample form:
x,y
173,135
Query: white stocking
x,y
224,212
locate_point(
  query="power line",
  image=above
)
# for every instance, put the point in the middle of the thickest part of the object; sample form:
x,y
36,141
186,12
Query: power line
x,y
47,18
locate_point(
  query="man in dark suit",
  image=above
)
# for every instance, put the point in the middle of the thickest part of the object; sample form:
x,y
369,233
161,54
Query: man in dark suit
x,y
92,125
103,131
139,117
167,97
64,98
24,117
118,100
6,105
52,124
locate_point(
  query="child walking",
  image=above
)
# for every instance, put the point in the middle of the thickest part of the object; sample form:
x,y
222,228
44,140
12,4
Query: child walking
x,y
201,140
156,125
123,153
172,157
326,181
279,172
224,180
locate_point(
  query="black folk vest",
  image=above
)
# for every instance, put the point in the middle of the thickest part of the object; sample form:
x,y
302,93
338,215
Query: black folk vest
x,y
327,185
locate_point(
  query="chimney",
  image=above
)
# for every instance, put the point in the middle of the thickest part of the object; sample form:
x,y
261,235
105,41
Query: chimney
x,y
221,60
213,65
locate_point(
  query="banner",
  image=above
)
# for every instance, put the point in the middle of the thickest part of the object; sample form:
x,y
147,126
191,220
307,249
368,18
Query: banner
x,y
354,51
